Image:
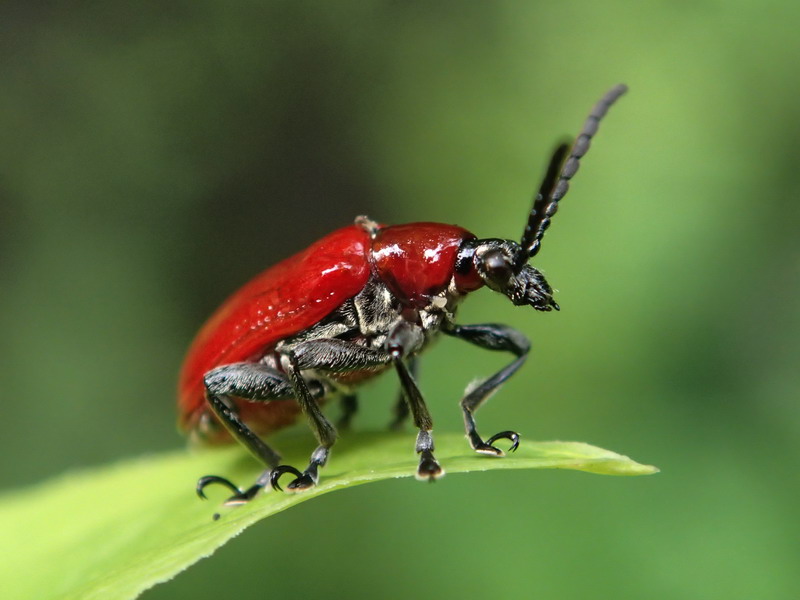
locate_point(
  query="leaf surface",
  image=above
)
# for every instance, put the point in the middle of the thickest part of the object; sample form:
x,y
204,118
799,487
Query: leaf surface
x,y
115,531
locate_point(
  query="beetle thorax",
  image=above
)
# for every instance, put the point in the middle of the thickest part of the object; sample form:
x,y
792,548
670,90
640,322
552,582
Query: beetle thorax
x,y
379,312
416,261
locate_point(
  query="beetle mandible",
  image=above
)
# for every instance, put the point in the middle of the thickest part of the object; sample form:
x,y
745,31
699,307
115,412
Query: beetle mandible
x,y
364,299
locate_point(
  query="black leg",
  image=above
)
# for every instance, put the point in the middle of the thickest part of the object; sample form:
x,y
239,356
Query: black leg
x,y
401,410
252,381
492,337
428,469
331,355
401,342
349,409
323,430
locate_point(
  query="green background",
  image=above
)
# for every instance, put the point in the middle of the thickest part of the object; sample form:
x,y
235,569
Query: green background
x,y
154,156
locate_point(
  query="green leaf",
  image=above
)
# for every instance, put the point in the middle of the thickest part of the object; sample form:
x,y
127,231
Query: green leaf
x,y
113,532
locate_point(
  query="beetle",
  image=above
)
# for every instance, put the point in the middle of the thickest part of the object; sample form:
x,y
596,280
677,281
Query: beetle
x,y
364,299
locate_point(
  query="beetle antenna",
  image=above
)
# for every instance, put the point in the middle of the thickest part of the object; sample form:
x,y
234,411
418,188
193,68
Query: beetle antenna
x,y
561,169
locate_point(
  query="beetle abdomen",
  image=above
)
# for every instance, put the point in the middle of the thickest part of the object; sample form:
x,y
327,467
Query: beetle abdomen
x,y
282,301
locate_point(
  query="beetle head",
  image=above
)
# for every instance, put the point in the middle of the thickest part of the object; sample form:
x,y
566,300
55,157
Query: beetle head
x,y
502,265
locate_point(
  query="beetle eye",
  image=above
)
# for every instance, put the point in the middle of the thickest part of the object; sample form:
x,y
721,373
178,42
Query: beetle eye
x,y
497,266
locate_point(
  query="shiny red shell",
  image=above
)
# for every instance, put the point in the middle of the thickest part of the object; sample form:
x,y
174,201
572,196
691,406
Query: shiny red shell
x,y
415,261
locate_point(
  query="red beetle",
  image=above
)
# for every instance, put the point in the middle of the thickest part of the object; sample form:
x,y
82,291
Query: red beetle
x,y
361,300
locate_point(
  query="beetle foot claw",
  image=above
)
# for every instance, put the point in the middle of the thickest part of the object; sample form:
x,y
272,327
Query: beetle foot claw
x,y
239,496
203,482
429,468
489,448
303,481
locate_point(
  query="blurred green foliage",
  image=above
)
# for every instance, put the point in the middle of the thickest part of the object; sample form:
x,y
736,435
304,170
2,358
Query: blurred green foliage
x,y
154,156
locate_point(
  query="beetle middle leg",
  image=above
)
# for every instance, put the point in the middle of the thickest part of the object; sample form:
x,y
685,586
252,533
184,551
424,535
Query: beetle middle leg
x,y
323,430
401,341
429,468
340,356
401,409
492,337
329,355
349,404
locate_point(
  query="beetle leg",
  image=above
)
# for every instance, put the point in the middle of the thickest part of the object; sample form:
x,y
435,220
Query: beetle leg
x,y
404,339
251,381
492,337
428,468
349,408
331,355
323,430
335,355
401,410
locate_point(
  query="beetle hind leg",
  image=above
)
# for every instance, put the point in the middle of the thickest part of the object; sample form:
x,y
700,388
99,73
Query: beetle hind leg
x,y
239,496
252,381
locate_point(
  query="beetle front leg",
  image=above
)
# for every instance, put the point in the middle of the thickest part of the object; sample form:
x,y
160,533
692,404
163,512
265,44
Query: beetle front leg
x,y
492,337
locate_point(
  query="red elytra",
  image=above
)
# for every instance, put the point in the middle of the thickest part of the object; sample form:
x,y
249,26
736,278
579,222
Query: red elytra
x,y
415,260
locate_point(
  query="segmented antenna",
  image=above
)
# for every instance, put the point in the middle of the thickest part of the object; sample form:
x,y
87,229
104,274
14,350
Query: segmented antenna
x,y
561,169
